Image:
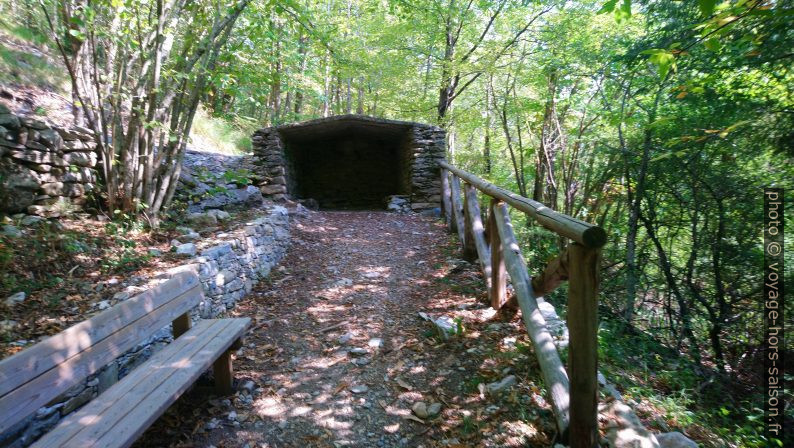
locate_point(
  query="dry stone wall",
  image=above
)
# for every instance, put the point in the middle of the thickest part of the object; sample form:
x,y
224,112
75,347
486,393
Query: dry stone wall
x,y
44,170
228,269
427,148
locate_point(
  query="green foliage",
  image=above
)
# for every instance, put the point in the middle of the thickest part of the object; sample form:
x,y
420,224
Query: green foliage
x,y
469,425
240,178
122,256
226,135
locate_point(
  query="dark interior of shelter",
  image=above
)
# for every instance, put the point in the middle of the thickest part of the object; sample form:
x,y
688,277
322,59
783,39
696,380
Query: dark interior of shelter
x,y
348,165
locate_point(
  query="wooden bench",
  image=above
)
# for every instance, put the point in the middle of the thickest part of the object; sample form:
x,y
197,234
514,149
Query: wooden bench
x,y
116,418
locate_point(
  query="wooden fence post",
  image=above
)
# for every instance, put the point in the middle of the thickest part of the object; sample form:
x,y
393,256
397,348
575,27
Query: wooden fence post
x,y
583,281
446,197
498,290
474,220
457,209
470,249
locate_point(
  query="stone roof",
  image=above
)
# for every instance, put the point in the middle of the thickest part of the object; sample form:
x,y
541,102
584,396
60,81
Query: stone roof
x,y
344,124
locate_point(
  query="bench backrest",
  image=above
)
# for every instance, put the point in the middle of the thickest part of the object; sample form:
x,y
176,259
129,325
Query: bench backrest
x,y
35,376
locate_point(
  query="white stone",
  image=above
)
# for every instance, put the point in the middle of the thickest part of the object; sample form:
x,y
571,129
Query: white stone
x,y
625,429
499,386
358,351
675,440
359,389
445,326
15,298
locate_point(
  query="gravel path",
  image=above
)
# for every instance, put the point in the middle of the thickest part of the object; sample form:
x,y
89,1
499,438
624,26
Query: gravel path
x,y
338,356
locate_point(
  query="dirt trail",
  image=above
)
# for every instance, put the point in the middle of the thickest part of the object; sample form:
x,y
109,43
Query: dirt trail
x,y
338,354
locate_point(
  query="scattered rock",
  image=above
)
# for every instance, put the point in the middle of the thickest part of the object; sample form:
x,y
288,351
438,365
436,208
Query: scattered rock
x,y
103,305
248,386
8,325
342,282
500,386
300,211
155,252
188,237
212,424
494,327
121,296
202,219
445,326
376,343
15,298
675,440
398,203
219,215
624,428
30,220
434,409
345,338
359,389
420,409
187,249
358,351
11,231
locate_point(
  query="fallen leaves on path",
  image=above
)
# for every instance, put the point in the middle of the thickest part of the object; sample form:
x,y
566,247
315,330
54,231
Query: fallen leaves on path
x,y
338,355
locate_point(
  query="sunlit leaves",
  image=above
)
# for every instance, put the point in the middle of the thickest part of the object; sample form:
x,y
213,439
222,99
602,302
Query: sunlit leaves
x,y
622,12
663,59
707,7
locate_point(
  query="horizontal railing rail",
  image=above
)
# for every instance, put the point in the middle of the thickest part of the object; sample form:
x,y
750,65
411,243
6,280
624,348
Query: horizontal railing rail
x,y
572,391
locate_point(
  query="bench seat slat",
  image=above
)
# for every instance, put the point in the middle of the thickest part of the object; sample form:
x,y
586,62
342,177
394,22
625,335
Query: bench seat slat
x,y
121,414
40,390
19,368
75,422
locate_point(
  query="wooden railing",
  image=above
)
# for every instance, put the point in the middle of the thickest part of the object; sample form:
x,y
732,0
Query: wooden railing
x,y
573,392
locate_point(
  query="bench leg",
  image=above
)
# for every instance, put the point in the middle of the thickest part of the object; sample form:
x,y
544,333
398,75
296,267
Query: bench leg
x,y
223,372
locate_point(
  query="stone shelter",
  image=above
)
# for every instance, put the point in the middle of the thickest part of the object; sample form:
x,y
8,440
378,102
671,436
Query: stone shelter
x,y
352,162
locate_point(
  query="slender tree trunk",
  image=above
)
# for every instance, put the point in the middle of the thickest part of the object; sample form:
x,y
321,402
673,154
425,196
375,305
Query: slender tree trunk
x,y
487,143
302,44
635,205
360,97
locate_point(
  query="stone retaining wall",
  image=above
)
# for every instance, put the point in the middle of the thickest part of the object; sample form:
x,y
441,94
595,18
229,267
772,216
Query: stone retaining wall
x,y
227,271
44,170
